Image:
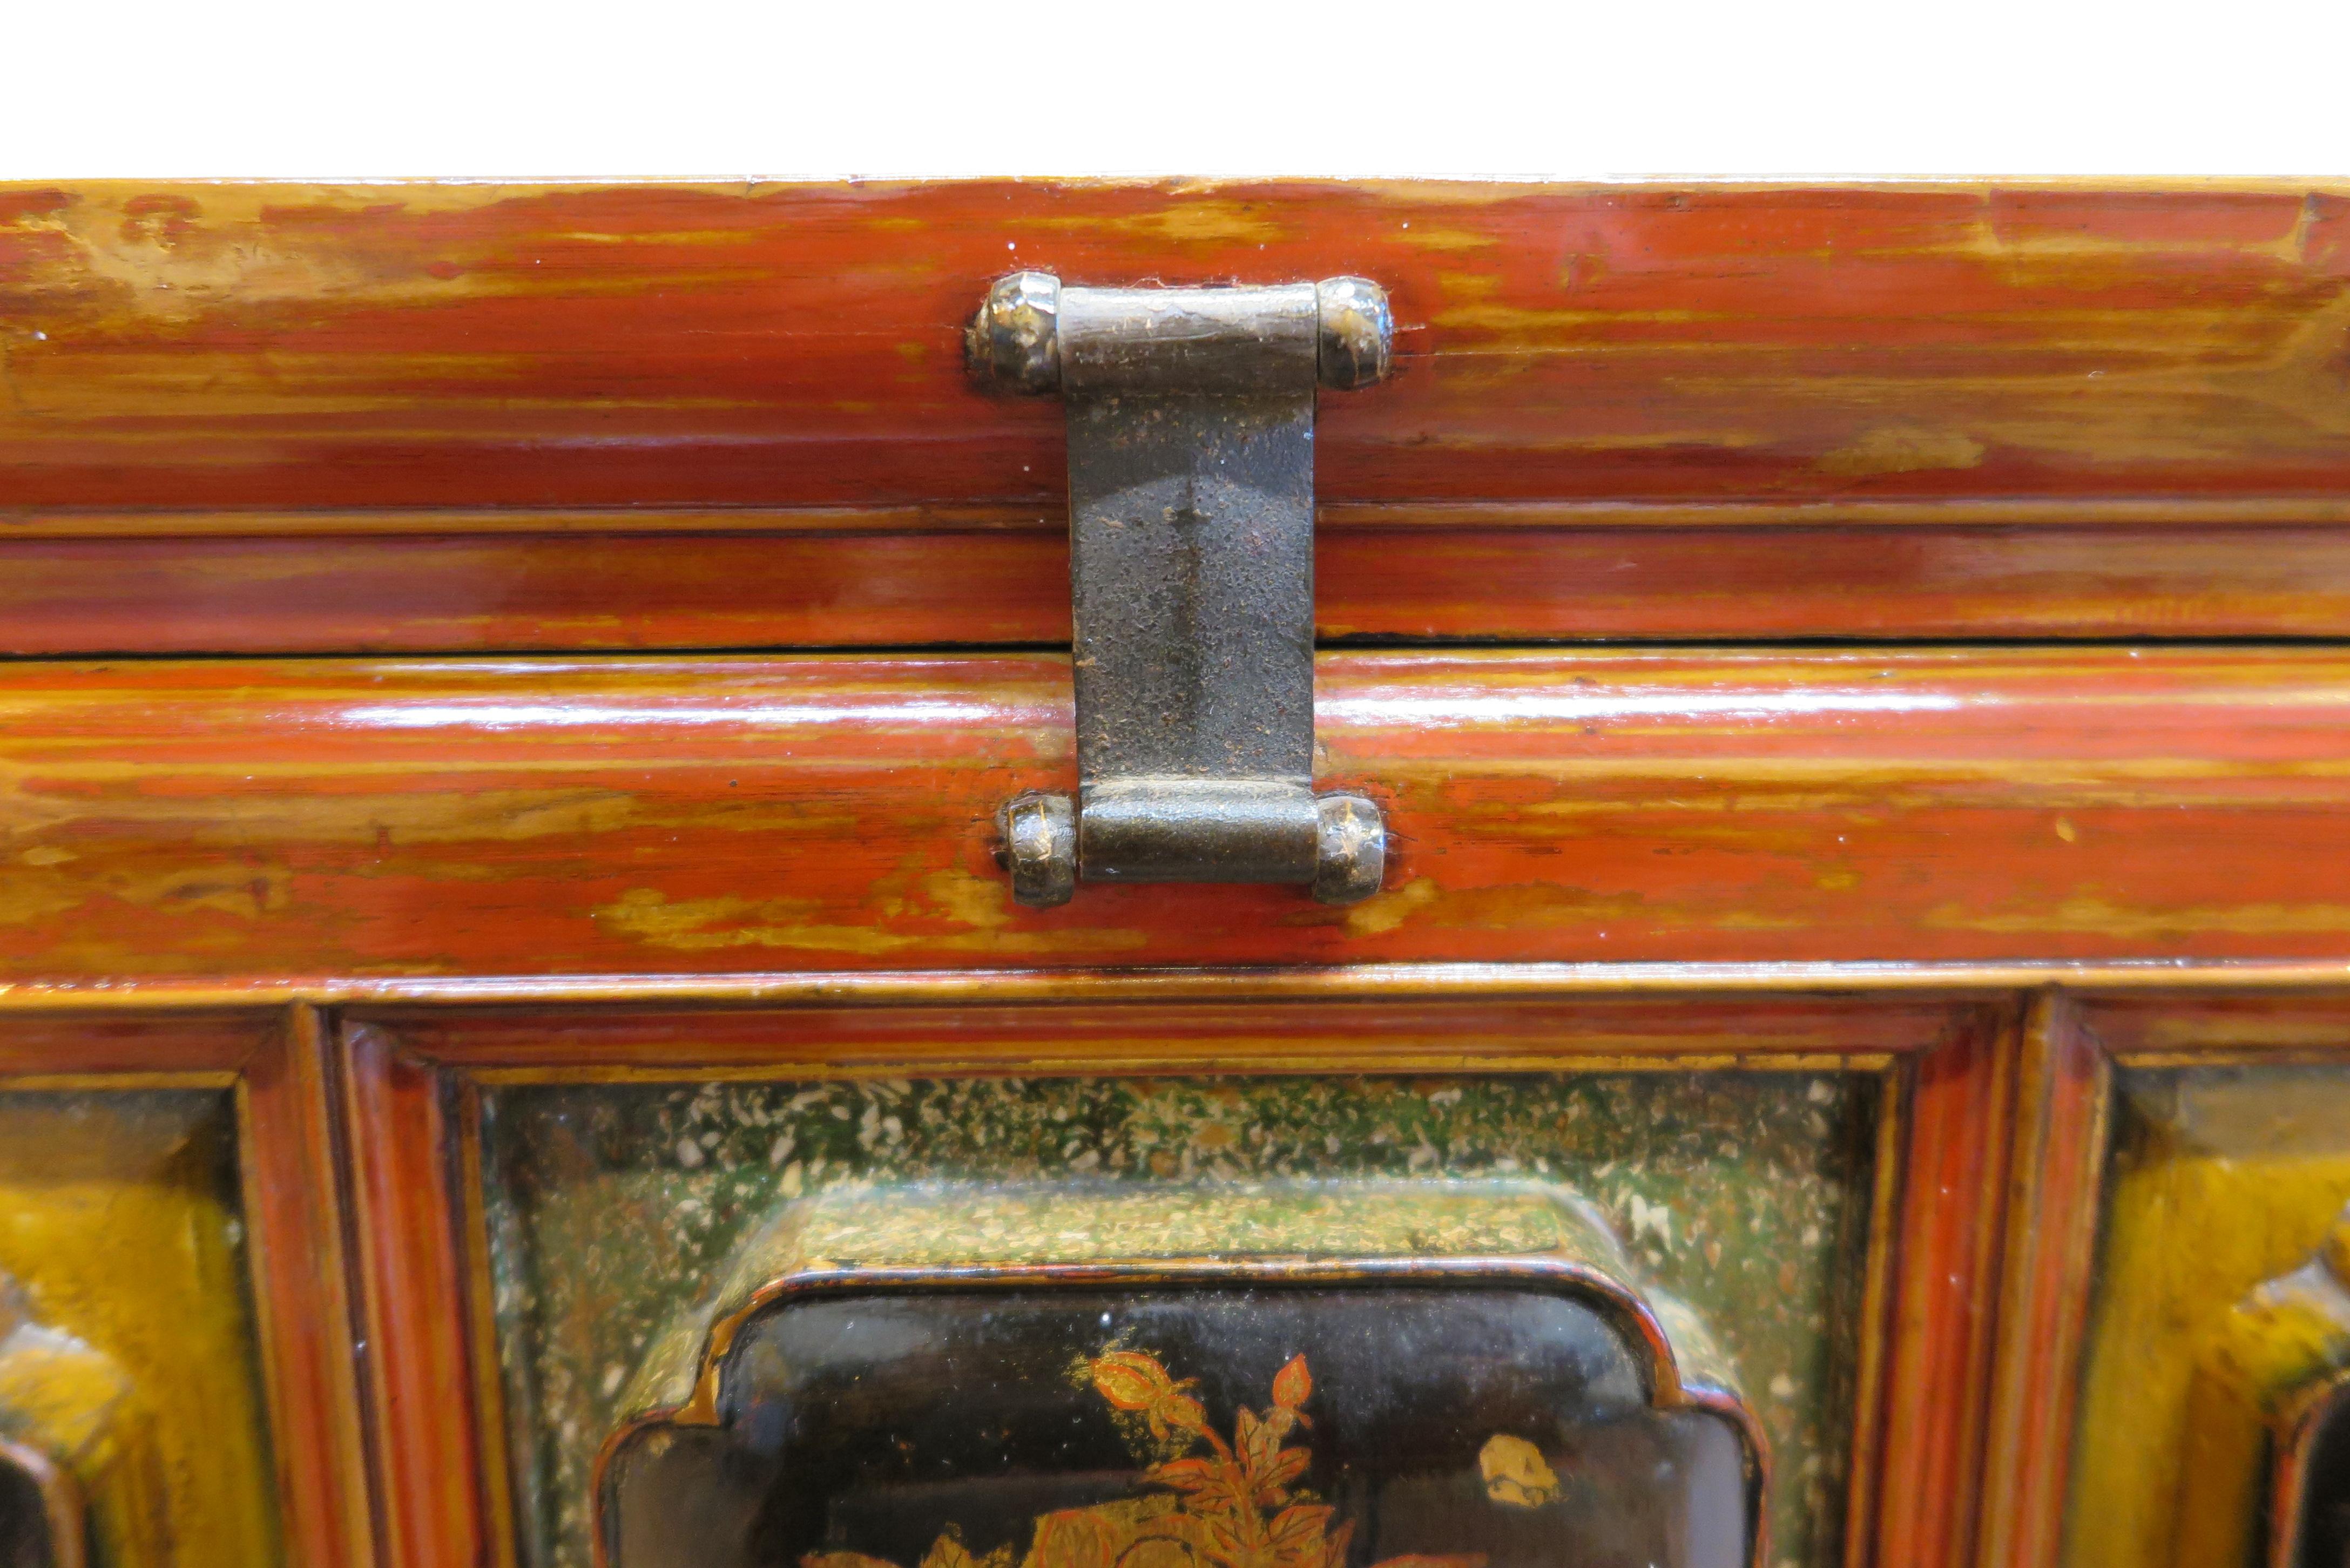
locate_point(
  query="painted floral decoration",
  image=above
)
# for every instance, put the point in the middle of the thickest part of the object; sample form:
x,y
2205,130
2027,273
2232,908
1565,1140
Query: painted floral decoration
x,y
1234,1506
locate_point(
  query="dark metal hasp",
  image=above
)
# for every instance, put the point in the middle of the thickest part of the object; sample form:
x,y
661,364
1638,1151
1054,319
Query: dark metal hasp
x,y
1190,418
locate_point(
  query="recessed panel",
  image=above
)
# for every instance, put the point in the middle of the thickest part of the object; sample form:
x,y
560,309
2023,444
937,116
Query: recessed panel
x,y
614,1209
1402,1427
2215,1332
132,1425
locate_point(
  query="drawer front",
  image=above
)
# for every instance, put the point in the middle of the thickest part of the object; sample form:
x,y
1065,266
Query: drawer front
x,y
1222,1190
484,417
275,823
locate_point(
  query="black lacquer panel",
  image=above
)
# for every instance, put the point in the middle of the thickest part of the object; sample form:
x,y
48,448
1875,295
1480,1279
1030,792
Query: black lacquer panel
x,y
1185,1428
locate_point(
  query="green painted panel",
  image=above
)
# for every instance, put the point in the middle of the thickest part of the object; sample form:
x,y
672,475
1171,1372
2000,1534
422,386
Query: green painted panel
x,y
1745,1193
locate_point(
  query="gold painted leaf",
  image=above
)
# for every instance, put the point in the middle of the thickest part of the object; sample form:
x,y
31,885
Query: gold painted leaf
x,y
1292,1385
1183,1475
1273,1486
1257,1442
1223,1539
1298,1524
1217,1516
1159,1553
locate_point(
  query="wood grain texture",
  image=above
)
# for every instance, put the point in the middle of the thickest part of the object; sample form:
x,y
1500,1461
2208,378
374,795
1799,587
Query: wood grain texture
x,y
270,345
1922,1508
207,1048
436,582
280,419
1360,1035
429,1462
2247,1029
277,823
305,1299
2056,1181
394,421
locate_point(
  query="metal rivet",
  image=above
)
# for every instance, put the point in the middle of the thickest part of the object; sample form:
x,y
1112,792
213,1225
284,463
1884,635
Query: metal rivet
x,y
1352,858
1357,333
1039,849
1014,343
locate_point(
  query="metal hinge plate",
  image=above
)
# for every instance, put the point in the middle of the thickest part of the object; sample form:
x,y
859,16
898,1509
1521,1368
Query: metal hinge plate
x,y
1190,420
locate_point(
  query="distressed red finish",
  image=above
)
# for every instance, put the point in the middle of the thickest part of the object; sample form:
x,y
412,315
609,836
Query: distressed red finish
x,y
621,519
249,345
295,419
273,822
450,583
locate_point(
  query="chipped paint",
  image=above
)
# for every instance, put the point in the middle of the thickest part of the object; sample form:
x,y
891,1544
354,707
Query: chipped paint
x,y
1902,448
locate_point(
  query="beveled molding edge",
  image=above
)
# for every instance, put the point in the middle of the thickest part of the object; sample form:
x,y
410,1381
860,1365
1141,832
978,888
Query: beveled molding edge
x,y
1047,514
1255,1239
984,987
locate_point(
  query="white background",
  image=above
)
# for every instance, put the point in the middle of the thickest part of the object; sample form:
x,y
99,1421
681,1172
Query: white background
x,y
383,89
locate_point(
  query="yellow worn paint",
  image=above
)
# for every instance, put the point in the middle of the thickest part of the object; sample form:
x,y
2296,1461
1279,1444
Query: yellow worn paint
x,y
118,1221
2090,913
1902,448
78,1412
1188,222
727,921
2289,1339
1429,238
2222,1179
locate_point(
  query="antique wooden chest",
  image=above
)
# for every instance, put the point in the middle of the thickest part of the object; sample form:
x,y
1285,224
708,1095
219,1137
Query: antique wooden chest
x,y
1255,876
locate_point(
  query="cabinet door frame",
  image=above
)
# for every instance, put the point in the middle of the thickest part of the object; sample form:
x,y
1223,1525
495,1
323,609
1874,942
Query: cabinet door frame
x,y
2061,1152
414,1078
274,1064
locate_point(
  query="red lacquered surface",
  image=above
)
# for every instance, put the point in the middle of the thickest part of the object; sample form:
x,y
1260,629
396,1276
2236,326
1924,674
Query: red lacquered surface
x,y
661,345
257,821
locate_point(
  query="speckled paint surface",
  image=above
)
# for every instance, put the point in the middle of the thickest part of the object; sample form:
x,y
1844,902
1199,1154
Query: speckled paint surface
x,y
611,1206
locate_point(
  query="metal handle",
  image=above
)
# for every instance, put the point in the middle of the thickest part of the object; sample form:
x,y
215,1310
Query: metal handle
x,y
1190,420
